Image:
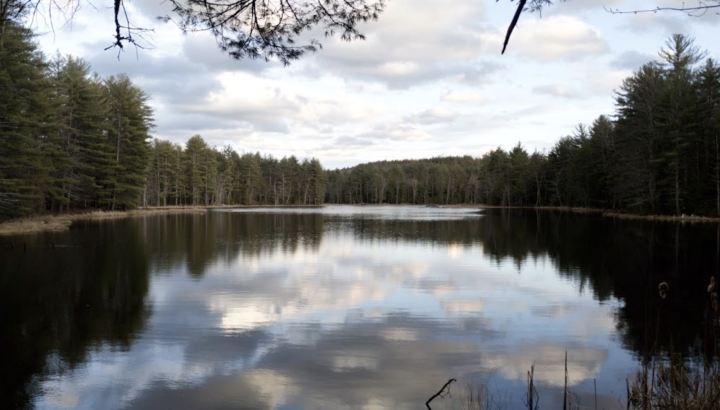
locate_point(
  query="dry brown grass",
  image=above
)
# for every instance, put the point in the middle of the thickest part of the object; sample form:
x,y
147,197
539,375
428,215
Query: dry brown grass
x,y
58,223
676,385
35,224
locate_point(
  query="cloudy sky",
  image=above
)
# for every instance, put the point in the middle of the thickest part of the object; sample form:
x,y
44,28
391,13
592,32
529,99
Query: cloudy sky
x,y
428,81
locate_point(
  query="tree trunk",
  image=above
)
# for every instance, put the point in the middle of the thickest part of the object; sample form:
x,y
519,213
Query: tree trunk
x,y
677,186
717,175
447,192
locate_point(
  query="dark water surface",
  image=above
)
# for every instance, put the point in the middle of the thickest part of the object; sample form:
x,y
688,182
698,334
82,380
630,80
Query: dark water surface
x,y
344,307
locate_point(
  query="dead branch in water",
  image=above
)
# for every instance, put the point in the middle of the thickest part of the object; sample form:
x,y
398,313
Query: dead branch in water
x,y
565,390
532,395
439,393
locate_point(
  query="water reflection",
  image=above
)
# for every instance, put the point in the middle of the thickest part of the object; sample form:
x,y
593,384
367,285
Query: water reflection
x,y
344,307
62,295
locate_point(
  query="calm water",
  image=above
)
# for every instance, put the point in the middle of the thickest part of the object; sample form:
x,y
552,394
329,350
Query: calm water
x,y
344,307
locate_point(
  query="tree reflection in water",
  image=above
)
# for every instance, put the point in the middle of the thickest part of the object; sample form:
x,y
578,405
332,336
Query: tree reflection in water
x,y
63,295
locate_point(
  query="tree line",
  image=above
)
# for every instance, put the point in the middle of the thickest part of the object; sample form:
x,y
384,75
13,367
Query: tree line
x,y
659,153
197,174
69,139
72,141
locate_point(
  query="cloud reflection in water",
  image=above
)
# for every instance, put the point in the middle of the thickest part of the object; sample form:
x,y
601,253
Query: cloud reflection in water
x,y
352,320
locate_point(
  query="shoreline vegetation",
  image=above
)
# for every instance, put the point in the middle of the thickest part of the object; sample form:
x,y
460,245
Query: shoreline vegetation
x,y
657,154
668,383
89,148
62,222
665,380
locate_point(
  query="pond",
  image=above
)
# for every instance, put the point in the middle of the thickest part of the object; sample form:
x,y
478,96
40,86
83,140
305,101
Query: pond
x,y
346,307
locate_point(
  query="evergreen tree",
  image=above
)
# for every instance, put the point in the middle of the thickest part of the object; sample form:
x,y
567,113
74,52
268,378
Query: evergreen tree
x,y
708,93
128,122
81,125
22,113
195,172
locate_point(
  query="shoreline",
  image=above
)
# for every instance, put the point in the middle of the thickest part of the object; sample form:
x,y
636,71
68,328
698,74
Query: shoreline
x,y
608,213
62,222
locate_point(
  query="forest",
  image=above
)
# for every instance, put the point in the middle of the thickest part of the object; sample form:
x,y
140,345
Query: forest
x,y
70,139
200,175
73,141
657,154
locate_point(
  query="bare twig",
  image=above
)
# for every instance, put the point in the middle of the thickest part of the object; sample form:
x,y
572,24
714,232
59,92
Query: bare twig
x,y
439,393
702,6
532,396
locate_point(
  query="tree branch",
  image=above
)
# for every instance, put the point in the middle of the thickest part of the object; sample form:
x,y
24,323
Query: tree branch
x,y
702,6
513,23
439,393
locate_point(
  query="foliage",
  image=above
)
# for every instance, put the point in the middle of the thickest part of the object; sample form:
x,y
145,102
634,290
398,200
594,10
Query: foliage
x,y
73,141
68,139
660,154
248,28
22,108
201,175
280,29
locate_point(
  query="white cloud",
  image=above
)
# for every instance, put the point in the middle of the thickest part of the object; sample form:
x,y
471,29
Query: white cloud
x,y
557,38
435,115
556,90
414,41
428,81
463,97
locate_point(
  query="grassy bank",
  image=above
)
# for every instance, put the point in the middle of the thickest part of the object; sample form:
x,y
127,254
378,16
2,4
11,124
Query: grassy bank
x,y
61,222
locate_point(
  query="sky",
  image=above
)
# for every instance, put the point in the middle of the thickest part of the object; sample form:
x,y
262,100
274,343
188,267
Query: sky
x,y
428,80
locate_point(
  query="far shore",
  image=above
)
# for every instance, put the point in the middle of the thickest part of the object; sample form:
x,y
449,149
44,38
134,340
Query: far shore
x,y
62,222
611,213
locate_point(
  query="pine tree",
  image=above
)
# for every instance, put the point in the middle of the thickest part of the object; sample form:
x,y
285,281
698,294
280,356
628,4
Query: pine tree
x,y
249,178
128,122
85,169
195,175
708,93
22,113
677,122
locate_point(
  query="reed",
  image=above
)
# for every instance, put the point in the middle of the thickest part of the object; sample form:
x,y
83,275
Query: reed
x,y
670,382
676,385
